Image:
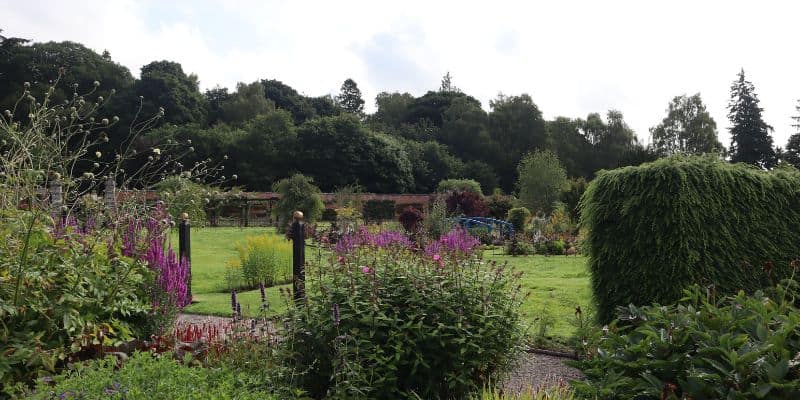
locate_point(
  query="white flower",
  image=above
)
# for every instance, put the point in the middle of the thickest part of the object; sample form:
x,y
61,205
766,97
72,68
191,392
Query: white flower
x,y
96,165
235,177
157,151
98,154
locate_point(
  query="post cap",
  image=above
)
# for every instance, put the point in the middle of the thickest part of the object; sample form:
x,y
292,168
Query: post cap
x,y
185,216
297,215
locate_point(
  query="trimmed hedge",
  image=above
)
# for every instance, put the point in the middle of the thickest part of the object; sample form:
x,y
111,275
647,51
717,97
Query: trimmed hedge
x,y
656,229
379,210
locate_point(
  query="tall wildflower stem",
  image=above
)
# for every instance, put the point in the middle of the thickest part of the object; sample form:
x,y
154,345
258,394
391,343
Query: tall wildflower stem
x,y
23,257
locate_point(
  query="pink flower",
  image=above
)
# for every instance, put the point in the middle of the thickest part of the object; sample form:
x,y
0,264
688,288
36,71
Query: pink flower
x,y
436,257
341,260
365,269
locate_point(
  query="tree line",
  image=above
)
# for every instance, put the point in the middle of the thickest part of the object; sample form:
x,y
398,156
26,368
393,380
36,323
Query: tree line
x,y
266,130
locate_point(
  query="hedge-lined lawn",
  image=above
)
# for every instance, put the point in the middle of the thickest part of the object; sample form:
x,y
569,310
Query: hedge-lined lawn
x,y
557,284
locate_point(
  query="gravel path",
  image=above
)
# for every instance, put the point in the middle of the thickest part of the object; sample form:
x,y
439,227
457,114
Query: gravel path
x,y
539,371
533,371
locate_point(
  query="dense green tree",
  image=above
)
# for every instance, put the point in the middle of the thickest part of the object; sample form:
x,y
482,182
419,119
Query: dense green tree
x,y
163,84
687,129
391,108
751,141
286,98
339,150
433,105
245,104
325,106
459,185
572,147
517,126
481,172
465,130
267,152
350,99
431,162
42,63
214,99
542,179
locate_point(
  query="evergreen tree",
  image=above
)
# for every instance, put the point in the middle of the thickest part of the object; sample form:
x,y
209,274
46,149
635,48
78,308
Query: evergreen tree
x,y
350,98
792,152
750,136
447,84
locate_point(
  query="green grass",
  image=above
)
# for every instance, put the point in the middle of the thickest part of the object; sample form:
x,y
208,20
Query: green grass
x,y
556,284
211,250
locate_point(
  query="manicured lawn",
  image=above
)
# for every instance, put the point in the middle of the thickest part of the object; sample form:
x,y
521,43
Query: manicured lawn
x,y
557,284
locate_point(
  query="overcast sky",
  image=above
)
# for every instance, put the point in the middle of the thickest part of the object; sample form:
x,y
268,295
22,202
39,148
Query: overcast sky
x,y
572,57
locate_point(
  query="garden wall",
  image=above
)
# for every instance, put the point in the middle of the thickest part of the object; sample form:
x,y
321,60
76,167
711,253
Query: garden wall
x,y
658,228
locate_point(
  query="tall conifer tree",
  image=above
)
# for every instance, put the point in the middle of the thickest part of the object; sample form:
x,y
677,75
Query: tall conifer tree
x,y
751,141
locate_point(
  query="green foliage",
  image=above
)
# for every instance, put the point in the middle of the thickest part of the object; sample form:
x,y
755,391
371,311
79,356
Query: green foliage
x,y
248,102
542,179
379,210
517,126
386,323
59,296
163,84
329,214
499,205
265,259
297,193
437,222
181,195
655,229
334,150
738,347
519,217
459,185
349,98
751,141
687,129
145,377
286,98
571,197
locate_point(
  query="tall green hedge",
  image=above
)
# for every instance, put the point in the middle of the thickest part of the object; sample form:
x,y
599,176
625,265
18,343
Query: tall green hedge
x,y
655,229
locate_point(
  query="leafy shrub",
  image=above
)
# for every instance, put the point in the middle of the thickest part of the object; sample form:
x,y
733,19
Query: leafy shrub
x,y
265,259
329,214
437,222
87,298
482,233
556,247
468,204
386,323
519,248
181,195
297,193
542,178
379,210
737,347
519,217
655,229
559,222
144,377
499,205
411,219
572,196
459,185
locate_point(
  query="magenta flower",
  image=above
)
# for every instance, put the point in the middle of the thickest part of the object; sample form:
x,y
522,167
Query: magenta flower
x,y
436,257
365,269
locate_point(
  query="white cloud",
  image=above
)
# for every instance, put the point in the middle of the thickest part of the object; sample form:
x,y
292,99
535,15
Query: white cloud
x,y
572,57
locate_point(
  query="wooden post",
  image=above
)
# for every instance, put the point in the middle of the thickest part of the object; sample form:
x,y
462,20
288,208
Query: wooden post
x,y
298,235
184,249
110,194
